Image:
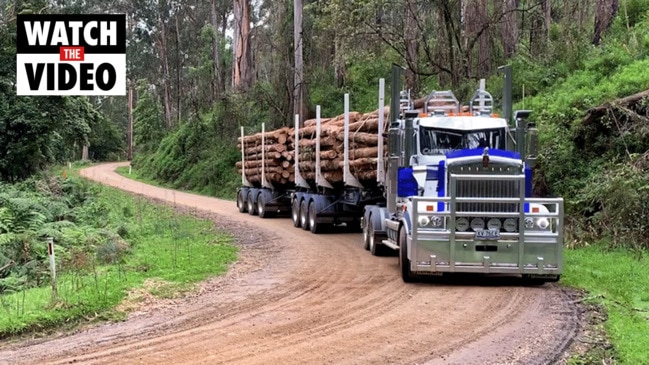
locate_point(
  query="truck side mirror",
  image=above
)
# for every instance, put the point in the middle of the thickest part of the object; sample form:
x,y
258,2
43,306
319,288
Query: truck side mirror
x,y
532,144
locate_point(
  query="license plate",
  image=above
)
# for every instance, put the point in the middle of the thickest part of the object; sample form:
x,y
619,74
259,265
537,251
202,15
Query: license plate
x,y
487,234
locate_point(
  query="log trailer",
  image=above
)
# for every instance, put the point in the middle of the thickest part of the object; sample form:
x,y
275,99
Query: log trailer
x,y
453,191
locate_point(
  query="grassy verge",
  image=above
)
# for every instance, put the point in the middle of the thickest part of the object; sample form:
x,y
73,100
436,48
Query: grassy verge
x,y
618,281
97,269
135,175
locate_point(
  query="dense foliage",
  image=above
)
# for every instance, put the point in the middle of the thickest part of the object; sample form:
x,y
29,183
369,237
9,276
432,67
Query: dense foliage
x,y
106,243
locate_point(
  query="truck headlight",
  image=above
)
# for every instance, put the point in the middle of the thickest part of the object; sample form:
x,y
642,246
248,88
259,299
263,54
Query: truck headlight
x,y
542,223
436,221
462,224
529,223
423,221
510,225
477,224
494,223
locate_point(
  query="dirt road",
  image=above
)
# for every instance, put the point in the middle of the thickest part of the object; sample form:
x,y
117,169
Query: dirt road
x,y
299,298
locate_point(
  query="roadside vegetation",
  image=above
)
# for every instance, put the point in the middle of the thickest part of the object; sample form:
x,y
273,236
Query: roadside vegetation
x,y
108,245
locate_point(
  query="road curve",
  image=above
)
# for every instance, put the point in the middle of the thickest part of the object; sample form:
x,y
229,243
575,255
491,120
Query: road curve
x,y
299,298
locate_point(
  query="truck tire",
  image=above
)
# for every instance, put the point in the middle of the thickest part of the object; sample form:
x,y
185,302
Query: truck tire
x,y
295,212
366,232
528,280
313,223
241,201
404,263
376,248
261,206
252,203
304,212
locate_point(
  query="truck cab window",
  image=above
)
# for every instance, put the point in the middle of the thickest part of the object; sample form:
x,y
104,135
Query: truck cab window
x,y
434,141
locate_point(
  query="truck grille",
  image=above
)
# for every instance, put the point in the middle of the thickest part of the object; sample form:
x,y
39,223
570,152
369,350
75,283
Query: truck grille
x,y
487,189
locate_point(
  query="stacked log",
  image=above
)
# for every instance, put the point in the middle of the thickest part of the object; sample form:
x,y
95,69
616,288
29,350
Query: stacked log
x,y
280,149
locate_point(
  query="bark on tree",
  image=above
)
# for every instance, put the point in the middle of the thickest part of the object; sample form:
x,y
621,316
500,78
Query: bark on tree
x,y
339,63
299,106
217,79
179,67
484,48
509,27
606,11
242,61
163,53
411,38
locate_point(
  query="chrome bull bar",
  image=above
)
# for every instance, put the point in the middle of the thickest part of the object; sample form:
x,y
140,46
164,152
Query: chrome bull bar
x,y
527,251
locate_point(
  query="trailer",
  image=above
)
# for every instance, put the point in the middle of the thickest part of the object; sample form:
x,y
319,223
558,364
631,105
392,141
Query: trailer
x,y
316,203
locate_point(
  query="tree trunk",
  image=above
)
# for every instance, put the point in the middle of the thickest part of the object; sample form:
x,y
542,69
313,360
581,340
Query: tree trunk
x,y
484,48
242,63
411,39
339,62
547,18
606,11
166,77
179,68
299,106
217,81
509,27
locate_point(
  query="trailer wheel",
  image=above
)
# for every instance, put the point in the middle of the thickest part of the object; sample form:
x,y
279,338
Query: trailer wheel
x,y
295,212
404,263
241,202
261,206
252,204
376,248
313,224
304,212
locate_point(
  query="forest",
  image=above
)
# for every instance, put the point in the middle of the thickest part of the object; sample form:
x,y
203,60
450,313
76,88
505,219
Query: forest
x,y
199,70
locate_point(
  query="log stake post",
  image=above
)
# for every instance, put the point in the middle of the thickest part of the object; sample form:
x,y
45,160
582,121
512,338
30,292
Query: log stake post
x,y
348,178
244,181
299,180
319,179
380,174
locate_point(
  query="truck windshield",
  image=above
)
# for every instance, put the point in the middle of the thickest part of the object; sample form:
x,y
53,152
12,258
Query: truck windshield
x,y
434,141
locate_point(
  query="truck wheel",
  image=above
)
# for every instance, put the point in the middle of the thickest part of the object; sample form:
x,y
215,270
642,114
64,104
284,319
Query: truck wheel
x,y
261,206
295,213
241,202
366,233
313,224
376,248
252,204
404,263
304,212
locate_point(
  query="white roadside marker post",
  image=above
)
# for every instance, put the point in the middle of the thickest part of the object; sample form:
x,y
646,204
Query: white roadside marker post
x,y
50,252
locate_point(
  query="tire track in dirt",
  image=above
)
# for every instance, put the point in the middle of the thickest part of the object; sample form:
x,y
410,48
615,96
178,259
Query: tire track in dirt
x,y
318,299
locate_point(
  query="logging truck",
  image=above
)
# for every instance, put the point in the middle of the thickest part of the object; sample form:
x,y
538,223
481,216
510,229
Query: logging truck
x,y
450,188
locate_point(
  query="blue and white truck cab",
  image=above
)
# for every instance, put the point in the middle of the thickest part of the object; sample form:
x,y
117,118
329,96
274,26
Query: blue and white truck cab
x,y
459,195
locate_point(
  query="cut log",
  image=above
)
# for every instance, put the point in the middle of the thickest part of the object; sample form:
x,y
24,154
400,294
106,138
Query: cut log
x,y
599,111
268,148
